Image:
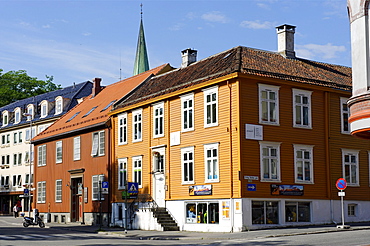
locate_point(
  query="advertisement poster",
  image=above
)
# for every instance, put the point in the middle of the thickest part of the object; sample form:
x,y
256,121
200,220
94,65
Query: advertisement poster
x,y
226,209
238,205
287,190
200,190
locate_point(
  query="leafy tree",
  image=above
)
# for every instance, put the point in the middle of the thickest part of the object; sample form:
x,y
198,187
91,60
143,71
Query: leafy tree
x,y
17,85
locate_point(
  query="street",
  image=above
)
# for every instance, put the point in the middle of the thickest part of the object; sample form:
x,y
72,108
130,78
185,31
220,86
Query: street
x,y
13,233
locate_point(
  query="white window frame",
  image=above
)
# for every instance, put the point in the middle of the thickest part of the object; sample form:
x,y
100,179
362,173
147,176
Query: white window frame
x,y
95,187
41,192
158,120
59,152
77,148
352,210
58,190
122,173
15,137
351,153
187,165
137,170
269,157
344,115
301,159
30,110
268,89
187,112
302,93
211,175
58,105
44,109
5,118
98,144
17,115
122,129
137,125
41,155
209,105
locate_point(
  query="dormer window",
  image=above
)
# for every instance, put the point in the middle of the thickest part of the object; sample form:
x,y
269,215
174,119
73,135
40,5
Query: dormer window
x,y
58,105
17,115
5,118
30,111
44,109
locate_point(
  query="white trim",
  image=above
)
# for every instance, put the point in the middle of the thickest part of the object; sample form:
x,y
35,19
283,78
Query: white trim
x,y
59,144
123,169
269,146
343,100
137,124
122,129
305,148
307,94
56,190
158,120
187,150
268,88
58,100
137,179
190,120
350,153
209,92
215,174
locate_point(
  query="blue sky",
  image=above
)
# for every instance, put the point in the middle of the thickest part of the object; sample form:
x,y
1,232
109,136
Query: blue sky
x,y
78,40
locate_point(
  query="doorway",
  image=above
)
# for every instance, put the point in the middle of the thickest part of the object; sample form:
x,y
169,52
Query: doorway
x,y
159,179
76,199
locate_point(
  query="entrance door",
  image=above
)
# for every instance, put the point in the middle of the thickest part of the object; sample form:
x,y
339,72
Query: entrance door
x,y
76,199
159,179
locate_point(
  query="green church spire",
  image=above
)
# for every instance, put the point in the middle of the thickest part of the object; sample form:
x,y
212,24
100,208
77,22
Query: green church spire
x,y
141,60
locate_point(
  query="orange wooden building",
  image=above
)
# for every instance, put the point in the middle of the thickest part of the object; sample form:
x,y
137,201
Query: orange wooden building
x,y
243,139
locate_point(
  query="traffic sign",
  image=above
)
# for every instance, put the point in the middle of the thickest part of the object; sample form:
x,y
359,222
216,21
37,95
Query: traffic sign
x,y
251,187
26,192
105,186
341,184
133,188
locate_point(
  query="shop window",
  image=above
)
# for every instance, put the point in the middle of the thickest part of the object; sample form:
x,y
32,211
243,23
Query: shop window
x,y
202,213
297,212
265,212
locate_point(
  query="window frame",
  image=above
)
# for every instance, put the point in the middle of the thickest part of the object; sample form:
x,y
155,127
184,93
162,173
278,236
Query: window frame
x,y
187,112
77,149
208,107
344,115
41,192
41,155
355,153
95,187
136,168
211,147
30,110
58,190
270,145
137,125
44,109
122,129
17,115
185,165
59,152
302,93
305,148
5,118
268,89
58,105
158,120
122,168
98,144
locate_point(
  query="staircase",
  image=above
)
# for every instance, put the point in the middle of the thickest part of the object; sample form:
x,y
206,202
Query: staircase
x,y
165,219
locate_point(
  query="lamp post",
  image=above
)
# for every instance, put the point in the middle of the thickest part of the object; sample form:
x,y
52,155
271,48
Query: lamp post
x,y
29,157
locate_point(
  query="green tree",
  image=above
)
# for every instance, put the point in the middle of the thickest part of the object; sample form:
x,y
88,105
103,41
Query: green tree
x,y
17,85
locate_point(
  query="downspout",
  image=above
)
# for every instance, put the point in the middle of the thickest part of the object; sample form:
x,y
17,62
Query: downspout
x,y
168,150
111,159
231,156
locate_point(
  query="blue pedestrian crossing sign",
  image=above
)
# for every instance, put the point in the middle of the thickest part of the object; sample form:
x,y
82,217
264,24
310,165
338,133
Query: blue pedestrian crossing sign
x,y
133,188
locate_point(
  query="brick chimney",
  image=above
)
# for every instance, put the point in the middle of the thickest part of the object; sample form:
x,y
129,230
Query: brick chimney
x,y
96,87
285,35
189,56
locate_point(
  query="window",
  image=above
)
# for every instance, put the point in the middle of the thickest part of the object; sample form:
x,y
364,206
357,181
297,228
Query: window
x,y
15,137
268,104
58,190
352,210
17,115
90,111
27,180
350,166
270,161
297,212
265,212
211,162
187,109
30,135
19,180
344,115
5,118
7,138
41,192
137,125
210,107
20,137
30,110
77,148
96,181
137,169
303,160
122,173
59,151
41,150
122,129
106,107
302,108
27,157
158,119
58,105
202,212
44,109
187,160
17,159
98,146
4,181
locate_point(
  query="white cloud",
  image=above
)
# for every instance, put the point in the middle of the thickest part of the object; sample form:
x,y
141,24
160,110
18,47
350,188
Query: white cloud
x,y
215,16
327,51
46,26
176,27
257,24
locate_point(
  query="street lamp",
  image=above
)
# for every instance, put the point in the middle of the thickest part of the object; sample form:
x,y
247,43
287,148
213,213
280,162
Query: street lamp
x,y
29,159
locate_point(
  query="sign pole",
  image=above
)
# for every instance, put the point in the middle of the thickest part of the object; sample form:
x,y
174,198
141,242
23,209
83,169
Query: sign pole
x,y
126,193
341,185
342,201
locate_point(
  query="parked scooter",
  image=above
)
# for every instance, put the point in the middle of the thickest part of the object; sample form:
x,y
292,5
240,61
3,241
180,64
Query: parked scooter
x,y
27,221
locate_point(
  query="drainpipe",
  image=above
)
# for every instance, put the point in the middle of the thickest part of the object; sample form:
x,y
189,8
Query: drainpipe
x,y
231,156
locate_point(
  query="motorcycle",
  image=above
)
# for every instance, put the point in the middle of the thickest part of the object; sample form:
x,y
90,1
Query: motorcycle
x,y
27,221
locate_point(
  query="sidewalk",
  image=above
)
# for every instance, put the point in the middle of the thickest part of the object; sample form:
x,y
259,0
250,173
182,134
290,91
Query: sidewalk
x,y
186,235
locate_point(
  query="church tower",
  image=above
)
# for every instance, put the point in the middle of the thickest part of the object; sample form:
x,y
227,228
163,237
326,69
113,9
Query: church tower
x,y
141,60
359,103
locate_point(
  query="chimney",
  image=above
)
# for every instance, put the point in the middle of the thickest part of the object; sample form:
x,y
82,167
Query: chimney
x,y
285,35
96,87
189,56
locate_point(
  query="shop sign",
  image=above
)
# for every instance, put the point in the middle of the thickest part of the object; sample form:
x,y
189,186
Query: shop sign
x,y
287,190
200,190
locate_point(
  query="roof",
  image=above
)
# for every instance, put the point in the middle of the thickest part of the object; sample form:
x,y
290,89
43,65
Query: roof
x,y
246,61
141,61
93,111
71,93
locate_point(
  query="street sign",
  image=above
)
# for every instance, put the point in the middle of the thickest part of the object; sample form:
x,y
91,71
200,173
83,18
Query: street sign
x,y
104,186
341,184
133,188
251,187
26,192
